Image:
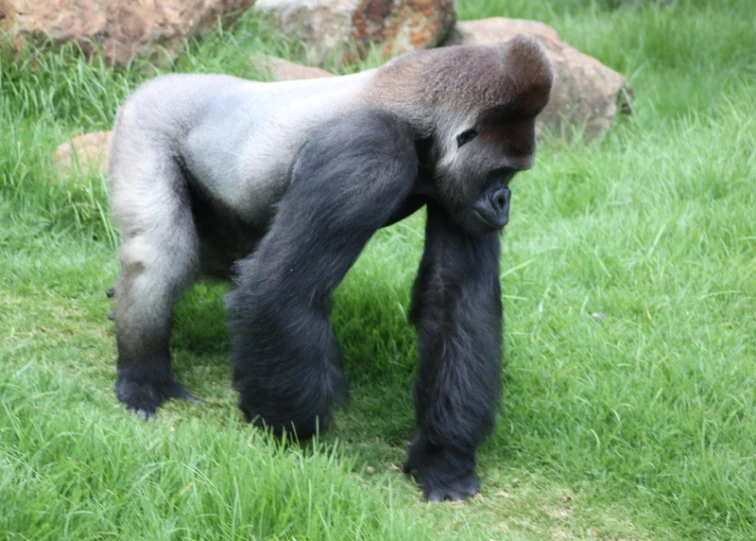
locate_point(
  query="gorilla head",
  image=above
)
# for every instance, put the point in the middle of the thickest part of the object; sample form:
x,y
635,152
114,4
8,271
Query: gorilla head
x,y
476,107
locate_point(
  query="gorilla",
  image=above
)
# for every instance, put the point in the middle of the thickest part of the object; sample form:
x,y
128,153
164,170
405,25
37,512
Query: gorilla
x,y
279,186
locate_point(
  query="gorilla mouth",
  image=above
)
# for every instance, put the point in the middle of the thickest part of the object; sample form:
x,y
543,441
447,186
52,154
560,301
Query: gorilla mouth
x,y
488,223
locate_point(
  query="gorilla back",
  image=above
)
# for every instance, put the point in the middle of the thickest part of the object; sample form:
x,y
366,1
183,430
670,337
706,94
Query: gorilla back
x,y
282,185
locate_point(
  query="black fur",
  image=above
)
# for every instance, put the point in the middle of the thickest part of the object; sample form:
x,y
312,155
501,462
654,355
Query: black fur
x,y
349,180
457,313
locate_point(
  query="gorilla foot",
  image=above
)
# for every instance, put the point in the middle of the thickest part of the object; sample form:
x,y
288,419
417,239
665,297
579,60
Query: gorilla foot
x,y
444,474
142,397
458,490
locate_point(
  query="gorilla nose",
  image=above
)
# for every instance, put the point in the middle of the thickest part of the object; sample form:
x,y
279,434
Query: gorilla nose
x,y
493,208
500,199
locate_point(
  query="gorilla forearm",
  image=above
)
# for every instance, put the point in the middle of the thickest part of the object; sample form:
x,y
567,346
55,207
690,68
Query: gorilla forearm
x,y
457,313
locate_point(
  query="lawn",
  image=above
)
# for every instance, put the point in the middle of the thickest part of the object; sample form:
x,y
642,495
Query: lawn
x,y
629,287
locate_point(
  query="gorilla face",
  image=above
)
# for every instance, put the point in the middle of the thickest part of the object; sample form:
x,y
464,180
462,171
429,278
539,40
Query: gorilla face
x,y
473,176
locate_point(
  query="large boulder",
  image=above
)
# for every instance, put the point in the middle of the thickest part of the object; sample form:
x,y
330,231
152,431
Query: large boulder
x,y
121,29
586,94
342,30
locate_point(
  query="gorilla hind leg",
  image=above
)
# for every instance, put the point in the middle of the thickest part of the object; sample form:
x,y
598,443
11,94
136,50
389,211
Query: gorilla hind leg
x,y
159,258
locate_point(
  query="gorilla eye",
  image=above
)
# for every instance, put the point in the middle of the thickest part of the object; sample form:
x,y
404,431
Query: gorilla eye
x,y
465,137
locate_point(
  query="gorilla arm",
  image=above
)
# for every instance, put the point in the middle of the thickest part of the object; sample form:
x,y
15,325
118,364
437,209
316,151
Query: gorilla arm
x,y
456,309
351,177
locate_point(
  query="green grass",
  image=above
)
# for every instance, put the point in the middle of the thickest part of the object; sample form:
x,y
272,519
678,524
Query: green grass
x,y
638,424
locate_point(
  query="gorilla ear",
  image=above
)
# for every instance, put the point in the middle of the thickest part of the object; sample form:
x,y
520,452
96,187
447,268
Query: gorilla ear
x,y
531,75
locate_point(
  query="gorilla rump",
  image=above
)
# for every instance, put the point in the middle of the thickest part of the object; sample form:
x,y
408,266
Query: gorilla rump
x,y
282,185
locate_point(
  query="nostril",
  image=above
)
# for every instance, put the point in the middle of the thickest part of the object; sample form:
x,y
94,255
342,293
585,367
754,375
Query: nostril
x,y
499,199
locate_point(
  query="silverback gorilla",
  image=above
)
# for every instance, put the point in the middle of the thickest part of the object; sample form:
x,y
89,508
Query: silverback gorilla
x,y
282,184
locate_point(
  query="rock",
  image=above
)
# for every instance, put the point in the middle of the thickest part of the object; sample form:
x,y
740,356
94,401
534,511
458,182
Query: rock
x,y
342,30
586,93
121,29
283,70
89,152
496,30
